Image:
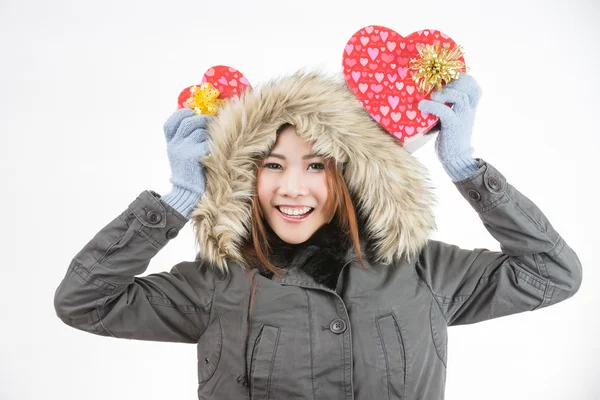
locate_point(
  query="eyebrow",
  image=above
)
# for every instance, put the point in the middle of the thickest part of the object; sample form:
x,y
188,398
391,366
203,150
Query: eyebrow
x,y
306,157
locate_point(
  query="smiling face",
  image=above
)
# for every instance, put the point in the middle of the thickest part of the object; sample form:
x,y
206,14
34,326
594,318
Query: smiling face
x,y
292,180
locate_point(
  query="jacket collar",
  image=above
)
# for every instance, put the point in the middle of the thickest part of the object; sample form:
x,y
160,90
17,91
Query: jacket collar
x,y
314,263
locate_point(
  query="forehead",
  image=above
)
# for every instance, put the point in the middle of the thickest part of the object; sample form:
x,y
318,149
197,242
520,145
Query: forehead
x,y
288,141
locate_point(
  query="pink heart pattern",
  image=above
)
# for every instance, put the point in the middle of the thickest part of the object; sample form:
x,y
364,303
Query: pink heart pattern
x,y
376,68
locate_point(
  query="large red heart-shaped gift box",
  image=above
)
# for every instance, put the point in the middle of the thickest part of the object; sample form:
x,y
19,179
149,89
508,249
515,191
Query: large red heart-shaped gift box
x,y
376,67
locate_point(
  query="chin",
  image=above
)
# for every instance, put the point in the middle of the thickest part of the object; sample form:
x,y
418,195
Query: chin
x,y
295,233
292,238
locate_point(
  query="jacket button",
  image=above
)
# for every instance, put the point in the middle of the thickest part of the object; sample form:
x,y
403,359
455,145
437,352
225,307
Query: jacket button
x,y
172,233
338,326
474,195
153,216
494,183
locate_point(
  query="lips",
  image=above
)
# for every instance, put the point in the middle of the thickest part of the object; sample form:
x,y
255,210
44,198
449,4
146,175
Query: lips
x,y
294,218
311,209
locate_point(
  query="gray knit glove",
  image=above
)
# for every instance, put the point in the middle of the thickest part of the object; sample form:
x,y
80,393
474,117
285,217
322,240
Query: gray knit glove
x,y
186,136
453,143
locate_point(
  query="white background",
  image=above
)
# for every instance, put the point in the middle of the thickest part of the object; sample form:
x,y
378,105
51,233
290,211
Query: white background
x,y
85,87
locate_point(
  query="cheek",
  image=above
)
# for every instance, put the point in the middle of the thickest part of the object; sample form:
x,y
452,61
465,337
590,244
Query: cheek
x,y
321,189
262,191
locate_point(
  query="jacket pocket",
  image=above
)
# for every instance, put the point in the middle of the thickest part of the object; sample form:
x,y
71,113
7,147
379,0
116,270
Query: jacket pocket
x,y
262,362
439,331
392,356
209,350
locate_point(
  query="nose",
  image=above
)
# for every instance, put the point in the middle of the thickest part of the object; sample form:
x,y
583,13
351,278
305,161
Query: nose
x,y
292,184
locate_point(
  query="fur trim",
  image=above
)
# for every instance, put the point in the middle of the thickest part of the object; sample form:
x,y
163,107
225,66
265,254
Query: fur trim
x,y
322,256
392,190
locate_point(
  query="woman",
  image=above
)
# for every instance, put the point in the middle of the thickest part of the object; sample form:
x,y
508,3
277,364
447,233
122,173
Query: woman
x,y
315,277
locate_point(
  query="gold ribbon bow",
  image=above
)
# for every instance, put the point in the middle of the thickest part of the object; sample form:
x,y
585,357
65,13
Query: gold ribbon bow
x,y
436,66
204,100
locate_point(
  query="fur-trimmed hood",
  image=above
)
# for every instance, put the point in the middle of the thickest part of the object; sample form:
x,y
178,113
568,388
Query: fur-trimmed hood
x,y
394,198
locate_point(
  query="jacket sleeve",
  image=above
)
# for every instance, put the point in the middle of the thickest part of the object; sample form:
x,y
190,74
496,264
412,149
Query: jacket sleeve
x,y
102,294
534,269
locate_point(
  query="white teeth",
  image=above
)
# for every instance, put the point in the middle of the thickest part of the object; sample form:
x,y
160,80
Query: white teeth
x,y
291,211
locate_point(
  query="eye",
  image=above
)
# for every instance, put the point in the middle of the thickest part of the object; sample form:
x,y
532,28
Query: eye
x,y
319,165
269,165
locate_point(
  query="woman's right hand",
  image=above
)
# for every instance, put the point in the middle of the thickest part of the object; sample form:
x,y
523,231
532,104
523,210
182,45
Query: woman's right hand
x,y
187,142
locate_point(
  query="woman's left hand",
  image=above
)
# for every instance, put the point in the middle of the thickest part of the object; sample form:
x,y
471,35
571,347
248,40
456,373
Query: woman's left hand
x,y
453,144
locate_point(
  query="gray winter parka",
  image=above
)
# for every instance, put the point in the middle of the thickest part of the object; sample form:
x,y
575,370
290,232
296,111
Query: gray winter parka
x,y
380,334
